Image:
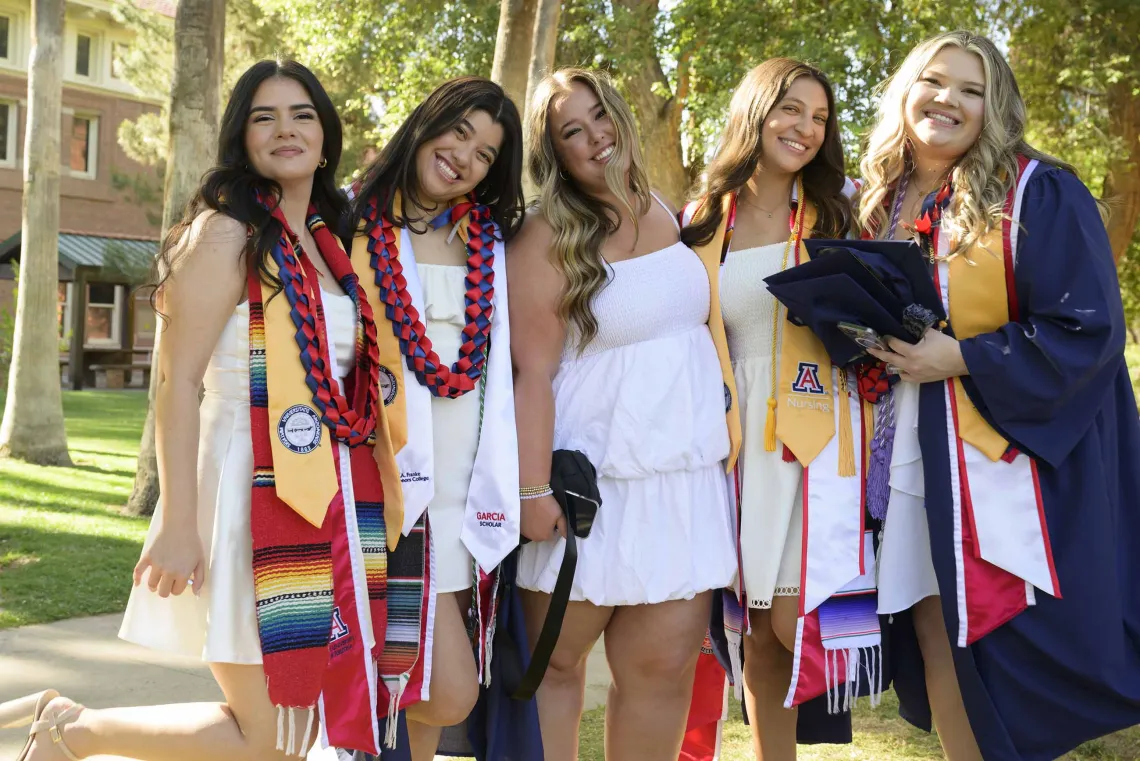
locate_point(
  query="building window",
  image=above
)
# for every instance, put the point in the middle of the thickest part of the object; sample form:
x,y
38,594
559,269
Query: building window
x,y
118,55
84,146
5,38
104,315
146,321
7,133
63,313
83,55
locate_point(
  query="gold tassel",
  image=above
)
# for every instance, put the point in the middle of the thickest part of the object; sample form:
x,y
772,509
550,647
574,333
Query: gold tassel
x,y
846,443
770,427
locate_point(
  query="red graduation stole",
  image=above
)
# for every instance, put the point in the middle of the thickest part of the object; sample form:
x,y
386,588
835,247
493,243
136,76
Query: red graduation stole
x,y
312,608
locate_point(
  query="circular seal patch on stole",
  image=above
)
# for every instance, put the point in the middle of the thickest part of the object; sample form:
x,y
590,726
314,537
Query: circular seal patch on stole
x,y
300,429
727,399
388,386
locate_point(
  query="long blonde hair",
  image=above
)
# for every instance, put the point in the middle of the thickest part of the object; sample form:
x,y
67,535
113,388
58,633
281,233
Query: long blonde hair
x,y
983,176
581,222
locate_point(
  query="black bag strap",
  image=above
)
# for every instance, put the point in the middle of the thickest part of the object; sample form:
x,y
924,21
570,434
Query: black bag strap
x,y
552,626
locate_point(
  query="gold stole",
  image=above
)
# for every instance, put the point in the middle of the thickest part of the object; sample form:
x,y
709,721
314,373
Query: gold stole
x,y
710,258
805,421
305,481
979,303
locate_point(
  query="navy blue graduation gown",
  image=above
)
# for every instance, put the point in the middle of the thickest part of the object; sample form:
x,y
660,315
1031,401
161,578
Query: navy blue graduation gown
x,y
1055,385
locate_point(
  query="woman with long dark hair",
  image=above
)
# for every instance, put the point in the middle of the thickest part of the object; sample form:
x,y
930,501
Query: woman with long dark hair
x,y
428,226
777,178
272,505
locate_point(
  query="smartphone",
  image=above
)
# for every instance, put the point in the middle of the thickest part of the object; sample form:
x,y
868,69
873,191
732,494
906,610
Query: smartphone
x,y
864,336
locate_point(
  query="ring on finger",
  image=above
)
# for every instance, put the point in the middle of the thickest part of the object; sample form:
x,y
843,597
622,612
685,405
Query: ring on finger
x,y
893,370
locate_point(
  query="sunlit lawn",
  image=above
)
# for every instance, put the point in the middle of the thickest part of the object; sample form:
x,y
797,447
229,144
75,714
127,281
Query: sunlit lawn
x,y
65,548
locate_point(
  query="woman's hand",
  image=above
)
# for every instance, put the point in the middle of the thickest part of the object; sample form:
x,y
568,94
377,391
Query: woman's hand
x,y
935,358
542,519
174,559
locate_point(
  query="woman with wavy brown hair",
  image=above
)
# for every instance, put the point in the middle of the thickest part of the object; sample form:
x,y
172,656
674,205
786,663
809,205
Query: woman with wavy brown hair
x,y
777,178
618,354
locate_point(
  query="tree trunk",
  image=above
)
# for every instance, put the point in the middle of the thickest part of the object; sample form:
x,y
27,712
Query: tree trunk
x,y
195,106
32,428
1122,185
657,108
513,48
544,42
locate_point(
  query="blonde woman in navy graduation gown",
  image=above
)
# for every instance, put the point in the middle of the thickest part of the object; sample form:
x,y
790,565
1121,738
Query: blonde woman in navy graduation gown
x,y
1027,605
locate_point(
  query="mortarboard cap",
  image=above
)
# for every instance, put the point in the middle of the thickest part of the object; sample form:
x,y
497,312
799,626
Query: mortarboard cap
x,y
881,285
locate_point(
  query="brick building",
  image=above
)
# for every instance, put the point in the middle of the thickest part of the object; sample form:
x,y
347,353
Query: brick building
x,y
101,217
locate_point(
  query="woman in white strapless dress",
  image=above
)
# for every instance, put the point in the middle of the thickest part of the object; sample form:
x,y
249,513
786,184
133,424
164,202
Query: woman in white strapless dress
x,y
194,585
797,133
631,377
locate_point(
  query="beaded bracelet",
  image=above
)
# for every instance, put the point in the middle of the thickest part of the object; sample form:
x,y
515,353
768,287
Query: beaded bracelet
x,y
535,492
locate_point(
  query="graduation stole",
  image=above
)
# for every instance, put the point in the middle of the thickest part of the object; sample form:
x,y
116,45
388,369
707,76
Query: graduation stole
x,y
811,402
305,533
1002,550
376,260
711,257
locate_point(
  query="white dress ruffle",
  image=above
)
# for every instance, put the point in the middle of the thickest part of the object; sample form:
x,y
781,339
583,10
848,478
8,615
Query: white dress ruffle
x,y
905,567
645,403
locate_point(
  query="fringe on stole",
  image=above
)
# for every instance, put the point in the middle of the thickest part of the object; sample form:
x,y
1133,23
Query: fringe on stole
x,y
394,711
294,746
489,636
871,661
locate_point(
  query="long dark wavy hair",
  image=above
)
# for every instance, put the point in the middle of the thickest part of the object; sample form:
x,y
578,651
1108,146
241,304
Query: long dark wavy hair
x,y
232,186
740,152
395,168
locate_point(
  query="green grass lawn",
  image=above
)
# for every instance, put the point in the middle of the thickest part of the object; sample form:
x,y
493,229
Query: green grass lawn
x,y
66,550
879,735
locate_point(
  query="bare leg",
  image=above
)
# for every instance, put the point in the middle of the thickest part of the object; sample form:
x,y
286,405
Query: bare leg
x,y
562,692
767,674
244,728
454,683
946,705
652,651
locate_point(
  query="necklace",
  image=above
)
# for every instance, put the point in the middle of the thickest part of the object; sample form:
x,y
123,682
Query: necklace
x,y
754,205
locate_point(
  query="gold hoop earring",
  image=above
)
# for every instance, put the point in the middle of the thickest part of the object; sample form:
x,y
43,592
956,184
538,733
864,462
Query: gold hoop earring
x,y
323,164
563,175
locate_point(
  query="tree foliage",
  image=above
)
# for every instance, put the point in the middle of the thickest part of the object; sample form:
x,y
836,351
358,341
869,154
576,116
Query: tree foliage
x,y
678,63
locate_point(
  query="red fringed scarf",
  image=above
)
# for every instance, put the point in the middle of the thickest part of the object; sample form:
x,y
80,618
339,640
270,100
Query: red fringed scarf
x,y
320,609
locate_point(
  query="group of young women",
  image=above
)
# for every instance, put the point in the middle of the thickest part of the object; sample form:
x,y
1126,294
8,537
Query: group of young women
x,y
958,518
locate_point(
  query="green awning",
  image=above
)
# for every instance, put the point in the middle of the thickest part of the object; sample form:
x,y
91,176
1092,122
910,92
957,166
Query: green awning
x,y
128,257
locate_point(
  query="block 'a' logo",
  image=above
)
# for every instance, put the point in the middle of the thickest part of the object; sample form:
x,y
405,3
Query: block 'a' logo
x,y
807,379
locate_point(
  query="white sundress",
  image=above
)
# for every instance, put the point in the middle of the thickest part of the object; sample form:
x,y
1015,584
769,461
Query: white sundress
x,y
645,403
220,625
771,513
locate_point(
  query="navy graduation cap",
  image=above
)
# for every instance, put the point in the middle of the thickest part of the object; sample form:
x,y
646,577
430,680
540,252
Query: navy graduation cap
x,y
881,285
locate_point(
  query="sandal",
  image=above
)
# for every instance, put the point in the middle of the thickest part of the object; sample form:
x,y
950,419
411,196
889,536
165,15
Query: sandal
x,y
23,711
51,723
